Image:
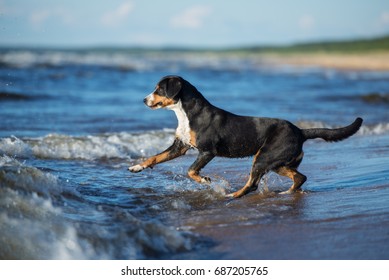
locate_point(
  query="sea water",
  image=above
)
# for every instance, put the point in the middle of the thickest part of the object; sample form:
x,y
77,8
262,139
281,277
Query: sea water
x,y
71,122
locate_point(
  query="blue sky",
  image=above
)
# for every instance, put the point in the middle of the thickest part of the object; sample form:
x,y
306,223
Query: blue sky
x,y
190,23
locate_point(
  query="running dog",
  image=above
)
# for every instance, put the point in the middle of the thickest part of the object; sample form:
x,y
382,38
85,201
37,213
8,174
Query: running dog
x,y
277,145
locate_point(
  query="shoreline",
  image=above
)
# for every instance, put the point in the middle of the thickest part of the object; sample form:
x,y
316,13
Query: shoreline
x,y
124,58
356,61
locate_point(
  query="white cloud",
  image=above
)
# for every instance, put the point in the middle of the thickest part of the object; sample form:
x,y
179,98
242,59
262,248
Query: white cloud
x,y
38,18
306,22
384,19
191,18
117,16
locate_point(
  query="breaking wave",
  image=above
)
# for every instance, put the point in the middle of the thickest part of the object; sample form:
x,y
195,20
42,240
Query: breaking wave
x,y
91,147
130,60
118,145
33,224
29,222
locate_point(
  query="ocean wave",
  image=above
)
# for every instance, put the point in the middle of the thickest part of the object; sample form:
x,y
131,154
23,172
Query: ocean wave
x,y
29,222
122,145
91,147
129,60
13,96
33,207
143,60
16,175
378,129
47,59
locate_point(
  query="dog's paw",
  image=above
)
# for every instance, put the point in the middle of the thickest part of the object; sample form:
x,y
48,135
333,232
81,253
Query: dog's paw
x,y
230,195
233,195
205,180
136,168
286,192
299,191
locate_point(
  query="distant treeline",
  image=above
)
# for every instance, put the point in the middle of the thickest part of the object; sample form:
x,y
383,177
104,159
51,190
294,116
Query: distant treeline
x,y
349,46
364,45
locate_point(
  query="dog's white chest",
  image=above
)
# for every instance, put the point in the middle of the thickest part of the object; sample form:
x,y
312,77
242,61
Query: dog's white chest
x,y
183,129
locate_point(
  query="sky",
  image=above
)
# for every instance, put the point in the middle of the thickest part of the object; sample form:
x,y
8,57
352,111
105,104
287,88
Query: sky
x,y
188,23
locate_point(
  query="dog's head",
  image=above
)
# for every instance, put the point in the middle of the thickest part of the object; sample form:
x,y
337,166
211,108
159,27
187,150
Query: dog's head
x,y
165,93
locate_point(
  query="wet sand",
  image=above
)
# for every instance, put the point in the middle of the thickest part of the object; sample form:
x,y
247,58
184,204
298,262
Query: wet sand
x,y
295,235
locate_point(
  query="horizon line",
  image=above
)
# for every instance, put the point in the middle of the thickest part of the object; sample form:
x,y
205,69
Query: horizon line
x,y
139,47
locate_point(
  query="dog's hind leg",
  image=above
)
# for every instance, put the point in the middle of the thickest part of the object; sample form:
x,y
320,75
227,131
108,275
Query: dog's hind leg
x,y
297,178
258,169
252,184
194,170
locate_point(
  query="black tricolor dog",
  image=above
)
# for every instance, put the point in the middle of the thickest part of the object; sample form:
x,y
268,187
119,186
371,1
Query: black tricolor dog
x,y
277,145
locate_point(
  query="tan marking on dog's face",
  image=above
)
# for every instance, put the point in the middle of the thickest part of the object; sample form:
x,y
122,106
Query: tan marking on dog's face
x,y
156,101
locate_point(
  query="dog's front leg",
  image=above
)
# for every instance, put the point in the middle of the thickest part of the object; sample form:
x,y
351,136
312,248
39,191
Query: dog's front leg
x,y
194,170
178,148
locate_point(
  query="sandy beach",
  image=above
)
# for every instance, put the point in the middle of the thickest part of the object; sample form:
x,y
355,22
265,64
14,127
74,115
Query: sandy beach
x,y
377,61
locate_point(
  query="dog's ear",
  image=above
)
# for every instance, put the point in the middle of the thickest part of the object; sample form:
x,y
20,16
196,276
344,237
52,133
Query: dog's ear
x,y
173,86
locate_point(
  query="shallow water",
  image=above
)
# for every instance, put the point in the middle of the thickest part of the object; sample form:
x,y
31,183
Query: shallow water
x,y
73,121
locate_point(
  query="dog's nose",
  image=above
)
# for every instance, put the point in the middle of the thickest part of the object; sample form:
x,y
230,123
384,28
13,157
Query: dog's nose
x,y
145,100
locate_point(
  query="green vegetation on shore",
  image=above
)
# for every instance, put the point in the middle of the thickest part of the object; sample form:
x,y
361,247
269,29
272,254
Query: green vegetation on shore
x,y
356,46
380,44
351,46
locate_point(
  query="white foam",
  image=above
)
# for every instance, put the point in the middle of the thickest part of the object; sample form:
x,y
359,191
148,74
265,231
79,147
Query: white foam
x,y
27,58
34,231
14,146
137,61
91,147
377,129
67,147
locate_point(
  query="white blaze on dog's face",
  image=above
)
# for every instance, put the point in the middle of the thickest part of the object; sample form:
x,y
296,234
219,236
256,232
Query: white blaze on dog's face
x,y
164,93
157,100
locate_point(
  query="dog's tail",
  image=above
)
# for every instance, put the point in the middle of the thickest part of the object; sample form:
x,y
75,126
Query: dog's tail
x,y
333,135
